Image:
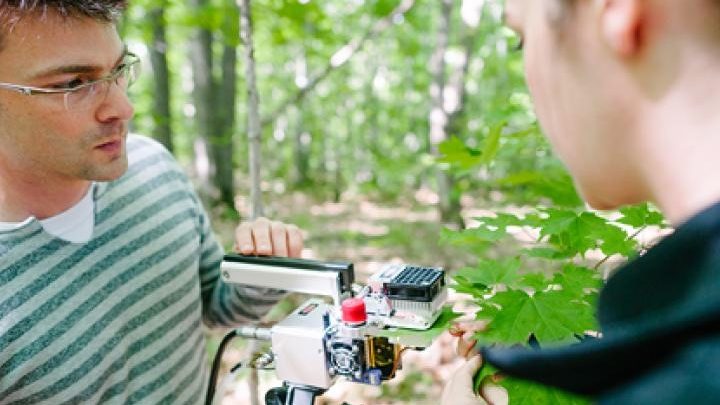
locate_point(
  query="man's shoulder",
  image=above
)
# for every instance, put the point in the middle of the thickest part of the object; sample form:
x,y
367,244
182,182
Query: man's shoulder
x,y
137,142
144,152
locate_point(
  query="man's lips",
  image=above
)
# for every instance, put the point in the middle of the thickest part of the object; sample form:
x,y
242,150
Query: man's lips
x,y
110,146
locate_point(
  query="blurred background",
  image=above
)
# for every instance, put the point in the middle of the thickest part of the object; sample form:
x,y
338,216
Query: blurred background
x,y
387,130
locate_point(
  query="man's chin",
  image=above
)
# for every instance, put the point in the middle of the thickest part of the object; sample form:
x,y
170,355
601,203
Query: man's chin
x,y
111,171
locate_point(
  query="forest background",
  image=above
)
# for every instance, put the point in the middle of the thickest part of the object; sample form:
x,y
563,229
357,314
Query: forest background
x,y
389,130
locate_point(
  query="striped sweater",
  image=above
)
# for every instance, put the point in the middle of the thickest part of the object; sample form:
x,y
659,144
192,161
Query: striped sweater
x,y
118,320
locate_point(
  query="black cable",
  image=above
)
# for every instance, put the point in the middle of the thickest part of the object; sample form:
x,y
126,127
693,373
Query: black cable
x,y
216,366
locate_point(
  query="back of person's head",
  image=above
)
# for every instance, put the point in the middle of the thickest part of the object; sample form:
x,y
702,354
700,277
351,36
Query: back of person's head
x,y
12,11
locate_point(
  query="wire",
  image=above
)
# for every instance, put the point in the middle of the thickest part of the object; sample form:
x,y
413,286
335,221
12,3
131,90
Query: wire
x,y
216,366
397,360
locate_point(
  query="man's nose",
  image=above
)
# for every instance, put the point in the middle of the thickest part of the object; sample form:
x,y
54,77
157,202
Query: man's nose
x,y
116,104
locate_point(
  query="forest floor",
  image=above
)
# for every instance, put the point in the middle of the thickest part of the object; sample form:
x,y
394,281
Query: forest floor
x,y
367,234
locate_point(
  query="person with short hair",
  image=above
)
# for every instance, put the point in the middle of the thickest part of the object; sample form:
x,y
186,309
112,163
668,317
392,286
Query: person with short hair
x,y
108,265
627,92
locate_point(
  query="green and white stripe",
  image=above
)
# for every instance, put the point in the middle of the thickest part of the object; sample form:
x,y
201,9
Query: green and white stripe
x,y
118,320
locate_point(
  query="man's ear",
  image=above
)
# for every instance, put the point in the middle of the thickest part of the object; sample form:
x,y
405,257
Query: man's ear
x,y
622,25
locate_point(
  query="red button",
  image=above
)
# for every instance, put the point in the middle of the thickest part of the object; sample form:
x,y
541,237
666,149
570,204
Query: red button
x,y
353,310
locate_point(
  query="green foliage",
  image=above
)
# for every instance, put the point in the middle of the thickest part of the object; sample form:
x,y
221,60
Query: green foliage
x,y
545,289
527,393
444,321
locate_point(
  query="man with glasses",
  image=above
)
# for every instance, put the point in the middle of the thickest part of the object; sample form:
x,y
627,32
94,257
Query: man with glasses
x,y
628,93
108,266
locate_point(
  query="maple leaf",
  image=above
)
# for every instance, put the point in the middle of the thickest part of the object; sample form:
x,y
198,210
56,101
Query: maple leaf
x,y
552,316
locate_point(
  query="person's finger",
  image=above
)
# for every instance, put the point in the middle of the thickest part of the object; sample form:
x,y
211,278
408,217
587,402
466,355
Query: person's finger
x,y
465,374
459,389
493,393
459,328
244,243
294,241
261,236
466,345
278,235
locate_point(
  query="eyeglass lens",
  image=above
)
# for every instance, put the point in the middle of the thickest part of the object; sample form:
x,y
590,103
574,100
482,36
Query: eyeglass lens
x,y
95,93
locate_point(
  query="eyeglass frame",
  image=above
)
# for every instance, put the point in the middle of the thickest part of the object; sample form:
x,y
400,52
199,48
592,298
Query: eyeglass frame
x,y
113,76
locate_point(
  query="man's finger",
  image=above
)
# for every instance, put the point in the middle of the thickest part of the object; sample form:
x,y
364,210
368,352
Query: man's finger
x,y
244,243
294,241
278,234
261,236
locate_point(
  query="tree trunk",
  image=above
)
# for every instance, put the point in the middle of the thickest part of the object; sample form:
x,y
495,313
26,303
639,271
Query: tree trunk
x,y
254,143
202,65
471,20
161,76
301,144
253,115
225,98
449,198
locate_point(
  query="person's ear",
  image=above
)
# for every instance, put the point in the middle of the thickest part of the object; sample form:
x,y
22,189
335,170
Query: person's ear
x,y
622,25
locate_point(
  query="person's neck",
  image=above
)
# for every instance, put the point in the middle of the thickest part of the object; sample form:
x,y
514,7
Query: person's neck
x,y
680,144
22,196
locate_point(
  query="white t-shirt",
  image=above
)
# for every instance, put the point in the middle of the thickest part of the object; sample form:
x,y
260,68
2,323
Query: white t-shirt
x,y
73,225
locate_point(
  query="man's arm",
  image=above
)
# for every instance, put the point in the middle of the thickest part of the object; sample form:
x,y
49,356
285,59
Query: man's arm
x,y
229,305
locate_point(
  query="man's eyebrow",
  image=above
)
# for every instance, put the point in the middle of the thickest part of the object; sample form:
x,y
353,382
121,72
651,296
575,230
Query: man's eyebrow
x,y
65,69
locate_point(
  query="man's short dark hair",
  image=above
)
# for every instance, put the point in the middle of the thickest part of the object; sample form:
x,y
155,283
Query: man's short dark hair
x,y
12,11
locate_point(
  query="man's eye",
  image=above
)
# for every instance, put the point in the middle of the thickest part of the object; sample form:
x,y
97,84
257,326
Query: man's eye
x,y
520,45
71,84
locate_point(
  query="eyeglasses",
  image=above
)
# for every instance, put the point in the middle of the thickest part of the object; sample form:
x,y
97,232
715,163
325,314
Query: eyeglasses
x,y
78,94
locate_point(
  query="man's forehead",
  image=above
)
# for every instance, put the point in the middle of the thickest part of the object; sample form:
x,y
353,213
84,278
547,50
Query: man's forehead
x,y
36,46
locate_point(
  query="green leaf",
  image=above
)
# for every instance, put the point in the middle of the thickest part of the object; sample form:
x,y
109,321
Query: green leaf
x,y
535,281
442,324
640,215
486,371
465,286
572,233
490,273
477,242
552,316
492,143
578,281
545,253
454,152
523,392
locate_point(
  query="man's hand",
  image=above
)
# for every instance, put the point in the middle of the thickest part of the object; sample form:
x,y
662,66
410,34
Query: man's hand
x,y
459,389
268,238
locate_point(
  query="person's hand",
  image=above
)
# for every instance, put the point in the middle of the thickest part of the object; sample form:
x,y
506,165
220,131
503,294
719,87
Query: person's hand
x,y
459,389
465,332
268,238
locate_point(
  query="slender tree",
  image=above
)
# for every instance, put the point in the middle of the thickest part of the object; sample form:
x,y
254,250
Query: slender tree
x,y
161,75
439,117
254,132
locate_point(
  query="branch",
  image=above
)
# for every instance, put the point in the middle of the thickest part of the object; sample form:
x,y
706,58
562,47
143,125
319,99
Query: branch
x,y
597,266
340,58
